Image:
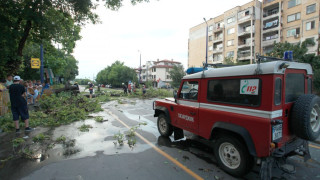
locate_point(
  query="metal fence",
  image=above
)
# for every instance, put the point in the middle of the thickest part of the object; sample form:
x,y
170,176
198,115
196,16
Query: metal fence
x,y
4,102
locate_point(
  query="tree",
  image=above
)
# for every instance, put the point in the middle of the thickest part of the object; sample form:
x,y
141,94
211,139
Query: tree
x,y
176,74
116,74
300,54
39,21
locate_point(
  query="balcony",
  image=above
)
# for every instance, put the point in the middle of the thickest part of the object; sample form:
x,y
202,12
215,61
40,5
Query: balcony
x,y
271,15
269,42
217,50
217,60
244,45
245,56
267,1
246,32
245,19
218,29
217,39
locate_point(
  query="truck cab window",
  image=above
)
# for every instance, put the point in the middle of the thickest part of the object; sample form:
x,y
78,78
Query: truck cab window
x,y
292,90
189,90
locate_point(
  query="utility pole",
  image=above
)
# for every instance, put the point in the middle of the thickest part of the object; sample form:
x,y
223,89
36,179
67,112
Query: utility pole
x,y
42,65
140,68
206,43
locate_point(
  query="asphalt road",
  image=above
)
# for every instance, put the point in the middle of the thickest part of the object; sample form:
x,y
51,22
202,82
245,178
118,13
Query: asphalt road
x,y
152,157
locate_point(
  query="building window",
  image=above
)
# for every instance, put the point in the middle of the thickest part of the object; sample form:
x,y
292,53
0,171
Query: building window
x,y
293,32
293,3
230,43
310,25
153,69
294,17
311,8
231,20
210,27
168,77
210,48
210,38
230,54
231,31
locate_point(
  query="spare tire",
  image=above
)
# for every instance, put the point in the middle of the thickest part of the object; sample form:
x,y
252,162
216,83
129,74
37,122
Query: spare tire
x,y
305,117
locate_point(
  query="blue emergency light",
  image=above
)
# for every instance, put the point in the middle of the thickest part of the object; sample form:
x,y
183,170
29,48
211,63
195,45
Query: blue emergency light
x,y
288,55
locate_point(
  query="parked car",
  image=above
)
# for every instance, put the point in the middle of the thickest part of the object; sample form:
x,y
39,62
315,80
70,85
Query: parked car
x,y
254,114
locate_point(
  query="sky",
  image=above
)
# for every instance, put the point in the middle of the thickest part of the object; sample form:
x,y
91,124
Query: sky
x,y
158,30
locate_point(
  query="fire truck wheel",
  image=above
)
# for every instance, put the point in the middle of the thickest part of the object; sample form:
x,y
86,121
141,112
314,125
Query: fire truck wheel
x,y
305,117
164,128
232,156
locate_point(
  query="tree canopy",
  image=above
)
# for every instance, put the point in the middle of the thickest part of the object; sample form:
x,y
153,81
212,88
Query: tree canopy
x,y
116,74
39,21
300,51
176,74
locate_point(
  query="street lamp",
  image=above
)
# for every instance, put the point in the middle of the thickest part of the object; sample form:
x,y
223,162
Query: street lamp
x,y
140,68
206,43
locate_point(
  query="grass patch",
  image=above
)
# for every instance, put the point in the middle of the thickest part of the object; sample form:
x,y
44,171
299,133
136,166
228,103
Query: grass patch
x,y
17,142
98,119
40,137
61,139
85,128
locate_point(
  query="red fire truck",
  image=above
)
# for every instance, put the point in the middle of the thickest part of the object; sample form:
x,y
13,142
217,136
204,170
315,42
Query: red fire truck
x,y
255,113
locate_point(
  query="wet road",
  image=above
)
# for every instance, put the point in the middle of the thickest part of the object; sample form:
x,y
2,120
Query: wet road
x,y
97,156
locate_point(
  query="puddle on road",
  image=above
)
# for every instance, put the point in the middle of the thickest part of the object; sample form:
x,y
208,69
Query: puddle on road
x,y
98,139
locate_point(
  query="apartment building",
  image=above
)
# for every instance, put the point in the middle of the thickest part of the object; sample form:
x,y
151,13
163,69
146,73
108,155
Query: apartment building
x,y
290,20
157,72
234,34
243,31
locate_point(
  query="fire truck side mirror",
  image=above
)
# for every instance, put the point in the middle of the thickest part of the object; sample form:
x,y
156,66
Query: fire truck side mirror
x,y
175,94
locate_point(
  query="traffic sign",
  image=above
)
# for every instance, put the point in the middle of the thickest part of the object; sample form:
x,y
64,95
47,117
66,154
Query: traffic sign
x,y
35,63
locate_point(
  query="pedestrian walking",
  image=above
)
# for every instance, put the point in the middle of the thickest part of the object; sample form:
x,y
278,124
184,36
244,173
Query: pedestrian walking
x,y
19,106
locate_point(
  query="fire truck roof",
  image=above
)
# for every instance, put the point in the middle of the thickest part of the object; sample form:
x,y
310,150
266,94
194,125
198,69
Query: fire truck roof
x,y
274,67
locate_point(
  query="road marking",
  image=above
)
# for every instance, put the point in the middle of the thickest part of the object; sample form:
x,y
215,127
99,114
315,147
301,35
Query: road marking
x,y
314,146
187,170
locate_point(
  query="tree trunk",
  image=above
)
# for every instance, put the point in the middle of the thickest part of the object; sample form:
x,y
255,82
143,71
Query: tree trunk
x,y
24,37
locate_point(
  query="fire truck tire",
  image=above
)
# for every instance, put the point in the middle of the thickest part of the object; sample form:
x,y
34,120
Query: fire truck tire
x,y
305,117
233,156
164,128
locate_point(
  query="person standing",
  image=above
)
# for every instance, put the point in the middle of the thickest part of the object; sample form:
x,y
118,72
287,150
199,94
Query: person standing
x,y
143,90
129,87
19,106
9,81
124,87
90,89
